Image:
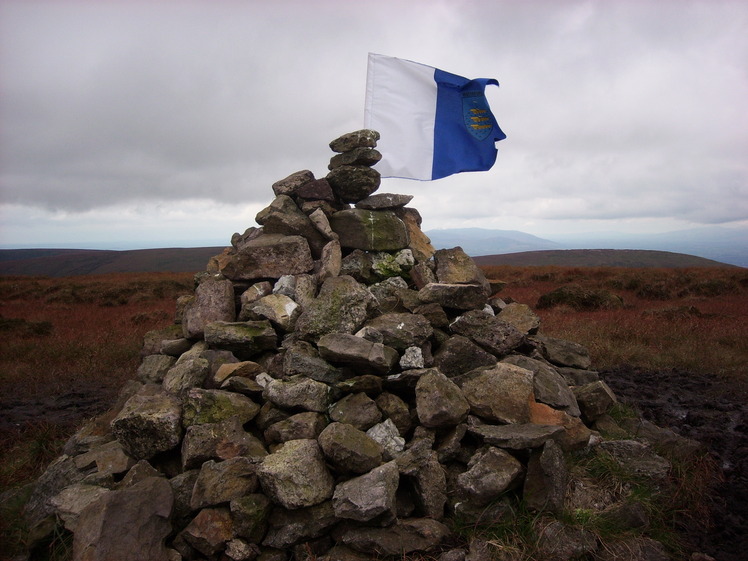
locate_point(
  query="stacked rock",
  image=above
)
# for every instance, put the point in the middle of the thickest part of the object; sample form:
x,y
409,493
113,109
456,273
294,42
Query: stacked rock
x,y
334,387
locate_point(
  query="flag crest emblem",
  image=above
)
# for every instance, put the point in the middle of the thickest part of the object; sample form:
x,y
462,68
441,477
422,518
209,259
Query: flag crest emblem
x,y
477,114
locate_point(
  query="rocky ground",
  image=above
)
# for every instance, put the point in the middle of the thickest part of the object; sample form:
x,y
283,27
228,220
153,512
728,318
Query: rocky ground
x,y
713,411
699,406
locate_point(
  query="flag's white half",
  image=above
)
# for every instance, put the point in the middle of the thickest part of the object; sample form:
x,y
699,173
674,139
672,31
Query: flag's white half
x,y
432,123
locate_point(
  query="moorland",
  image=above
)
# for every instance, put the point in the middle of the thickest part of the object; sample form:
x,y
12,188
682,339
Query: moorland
x,y
676,339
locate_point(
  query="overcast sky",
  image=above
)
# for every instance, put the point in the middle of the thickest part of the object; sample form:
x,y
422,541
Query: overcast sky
x,y
140,123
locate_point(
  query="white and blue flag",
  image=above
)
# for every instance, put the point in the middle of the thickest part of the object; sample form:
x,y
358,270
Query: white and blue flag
x,y
432,123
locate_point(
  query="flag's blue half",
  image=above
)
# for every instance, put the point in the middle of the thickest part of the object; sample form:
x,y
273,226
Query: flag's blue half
x,y
432,123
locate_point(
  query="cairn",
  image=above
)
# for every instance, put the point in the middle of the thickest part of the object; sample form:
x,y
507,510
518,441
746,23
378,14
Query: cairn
x,y
334,388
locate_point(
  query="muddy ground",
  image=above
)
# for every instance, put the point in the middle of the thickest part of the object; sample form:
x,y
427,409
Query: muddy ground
x,y
713,411
699,406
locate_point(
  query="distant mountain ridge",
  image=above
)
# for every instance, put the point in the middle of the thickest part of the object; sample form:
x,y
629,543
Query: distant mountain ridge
x,y
726,245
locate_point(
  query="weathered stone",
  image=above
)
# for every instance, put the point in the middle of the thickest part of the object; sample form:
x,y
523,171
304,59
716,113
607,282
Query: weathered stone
x,y
357,264
344,348
281,310
353,183
563,353
546,479
548,385
360,156
302,359
213,406
454,266
395,409
282,216
560,542
330,261
388,437
458,355
356,409
298,392
291,184
350,449
239,550
317,190
341,307
595,399
219,441
250,515
175,347
499,393
251,295
439,402
577,376
636,458
182,486
490,473
295,475
412,358
209,530
245,339
139,471
516,436
362,138
368,496
244,369
220,482
401,331
268,256
489,332
153,368
150,422
370,230
302,425
70,502
419,244
405,536
370,384
186,374
290,527
388,265
449,447
430,486
383,201
126,525
214,301
108,458
520,316
455,296
576,435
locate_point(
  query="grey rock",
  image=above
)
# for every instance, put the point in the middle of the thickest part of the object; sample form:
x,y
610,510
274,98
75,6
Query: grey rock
x,y
350,449
317,190
182,486
219,441
220,482
70,502
563,353
108,459
636,458
396,409
244,339
214,301
213,406
295,475
577,376
520,316
516,436
186,374
302,425
281,310
250,515
298,392
153,368
126,525
382,201
366,138
150,422
330,261
342,306
500,393
282,216
412,358
490,473
344,348
548,385
356,409
360,156
368,496
402,330
253,294
546,479
405,536
290,527
595,399
489,332
291,184
458,355
420,244
353,183
454,266
370,230
268,256
454,296
209,531
388,437
302,359
439,402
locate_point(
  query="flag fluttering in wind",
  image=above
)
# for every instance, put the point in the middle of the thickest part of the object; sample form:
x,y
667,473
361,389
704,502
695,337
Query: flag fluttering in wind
x,y
432,123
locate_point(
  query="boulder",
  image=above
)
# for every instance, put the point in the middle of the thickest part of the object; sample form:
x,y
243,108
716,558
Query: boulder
x,y
370,230
352,183
268,256
368,496
344,348
214,301
245,339
490,473
489,332
350,449
439,402
220,482
499,393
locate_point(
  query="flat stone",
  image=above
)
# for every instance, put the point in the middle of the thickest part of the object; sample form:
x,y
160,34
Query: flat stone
x,y
344,348
268,256
370,230
291,184
350,449
516,436
489,332
360,138
383,201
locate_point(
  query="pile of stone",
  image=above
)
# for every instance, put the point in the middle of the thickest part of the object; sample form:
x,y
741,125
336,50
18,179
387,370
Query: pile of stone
x,y
334,388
